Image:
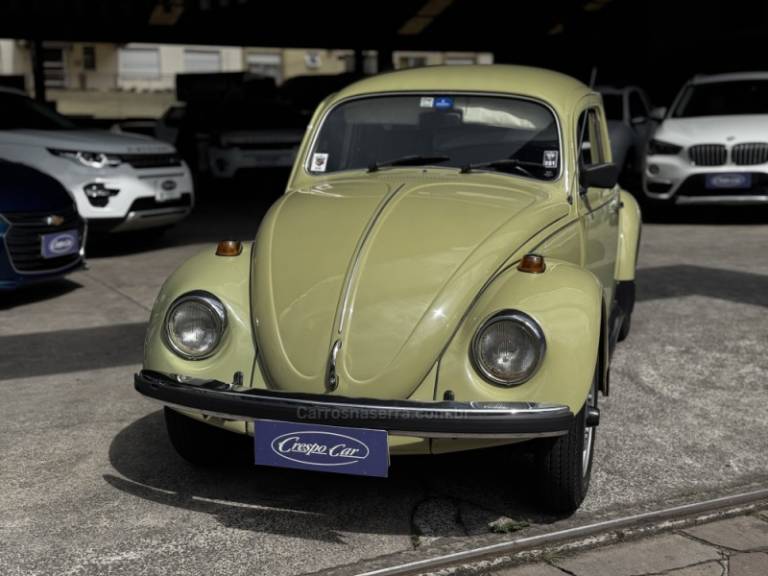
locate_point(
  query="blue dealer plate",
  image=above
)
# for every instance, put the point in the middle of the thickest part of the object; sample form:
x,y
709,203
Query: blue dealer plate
x,y
358,451
728,180
59,244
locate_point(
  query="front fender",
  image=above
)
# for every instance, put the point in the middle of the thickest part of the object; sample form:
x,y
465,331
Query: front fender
x,y
566,301
228,278
630,223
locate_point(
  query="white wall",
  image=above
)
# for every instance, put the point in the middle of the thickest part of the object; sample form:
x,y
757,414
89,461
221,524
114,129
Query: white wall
x,y
172,63
7,49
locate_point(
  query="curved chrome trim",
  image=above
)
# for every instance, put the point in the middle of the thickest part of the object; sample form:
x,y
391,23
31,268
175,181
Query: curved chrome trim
x,y
734,200
331,378
321,122
214,304
516,420
526,322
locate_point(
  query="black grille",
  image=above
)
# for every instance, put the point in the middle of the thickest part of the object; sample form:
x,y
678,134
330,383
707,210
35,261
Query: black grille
x,y
151,160
708,154
750,153
658,187
23,239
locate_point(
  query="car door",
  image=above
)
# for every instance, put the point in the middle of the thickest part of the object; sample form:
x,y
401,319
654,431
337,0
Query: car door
x,y
598,207
639,117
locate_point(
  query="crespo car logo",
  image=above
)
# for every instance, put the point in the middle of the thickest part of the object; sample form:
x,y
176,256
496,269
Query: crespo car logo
x,y
320,448
54,220
61,244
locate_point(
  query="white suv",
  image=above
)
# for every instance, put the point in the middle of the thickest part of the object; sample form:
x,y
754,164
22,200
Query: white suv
x,y
118,181
712,146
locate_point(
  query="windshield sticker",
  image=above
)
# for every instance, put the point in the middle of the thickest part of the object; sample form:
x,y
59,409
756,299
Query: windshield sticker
x,y
550,159
319,162
427,102
443,102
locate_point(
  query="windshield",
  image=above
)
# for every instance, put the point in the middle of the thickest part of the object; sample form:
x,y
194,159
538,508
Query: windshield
x,y
445,130
614,106
723,98
18,111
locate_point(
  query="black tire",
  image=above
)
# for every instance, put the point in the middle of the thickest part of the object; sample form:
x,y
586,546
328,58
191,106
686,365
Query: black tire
x,y
625,298
626,326
563,476
199,443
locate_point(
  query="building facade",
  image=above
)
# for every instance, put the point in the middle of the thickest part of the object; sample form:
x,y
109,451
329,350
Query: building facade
x,y
120,80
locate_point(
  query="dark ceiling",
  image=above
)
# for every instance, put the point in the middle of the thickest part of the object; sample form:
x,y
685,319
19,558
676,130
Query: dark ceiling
x,y
651,42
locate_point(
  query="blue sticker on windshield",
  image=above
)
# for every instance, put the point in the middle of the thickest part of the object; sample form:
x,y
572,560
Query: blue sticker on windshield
x,y
443,102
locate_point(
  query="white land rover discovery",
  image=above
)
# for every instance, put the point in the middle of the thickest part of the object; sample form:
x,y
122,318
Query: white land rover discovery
x,y
118,181
712,146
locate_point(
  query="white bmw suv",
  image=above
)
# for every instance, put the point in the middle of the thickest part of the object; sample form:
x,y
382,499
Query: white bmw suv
x,y
118,181
712,146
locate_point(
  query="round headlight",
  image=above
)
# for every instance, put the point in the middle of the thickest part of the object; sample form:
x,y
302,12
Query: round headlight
x,y
92,159
195,324
508,348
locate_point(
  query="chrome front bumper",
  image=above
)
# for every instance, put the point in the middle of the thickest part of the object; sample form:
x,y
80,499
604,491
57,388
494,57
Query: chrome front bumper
x,y
445,419
142,219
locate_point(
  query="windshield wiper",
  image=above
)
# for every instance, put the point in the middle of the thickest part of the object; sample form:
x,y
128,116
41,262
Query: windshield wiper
x,y
501,163
413,160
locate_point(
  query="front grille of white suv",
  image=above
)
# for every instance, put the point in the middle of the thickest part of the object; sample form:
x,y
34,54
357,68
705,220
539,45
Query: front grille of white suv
x,y
708,154
750,153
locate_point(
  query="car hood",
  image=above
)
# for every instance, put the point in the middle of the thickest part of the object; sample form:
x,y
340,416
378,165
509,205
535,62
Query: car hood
x,y
387,266
714,129
24,189
86,141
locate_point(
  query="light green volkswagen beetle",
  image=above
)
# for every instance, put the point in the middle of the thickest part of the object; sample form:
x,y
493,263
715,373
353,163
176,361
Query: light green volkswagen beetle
x,y
449,268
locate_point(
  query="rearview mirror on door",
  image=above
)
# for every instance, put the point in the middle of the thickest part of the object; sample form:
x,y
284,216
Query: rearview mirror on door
x,y
599,176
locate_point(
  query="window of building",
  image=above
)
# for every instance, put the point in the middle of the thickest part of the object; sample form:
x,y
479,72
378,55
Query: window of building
x,y
270,65
196,60
459,61
411,61
89,58
139,62
54,69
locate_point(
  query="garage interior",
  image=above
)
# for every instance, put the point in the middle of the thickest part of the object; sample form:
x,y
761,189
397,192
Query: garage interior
x,y
654,44
91,484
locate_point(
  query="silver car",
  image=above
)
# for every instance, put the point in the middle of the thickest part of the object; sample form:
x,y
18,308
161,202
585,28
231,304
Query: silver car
x,y
118,181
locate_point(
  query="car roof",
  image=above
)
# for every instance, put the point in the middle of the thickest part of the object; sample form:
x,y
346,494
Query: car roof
x,y
9,90
729,77
560,91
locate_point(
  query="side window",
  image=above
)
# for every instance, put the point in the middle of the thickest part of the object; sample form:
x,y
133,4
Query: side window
x,y
590,139
637,107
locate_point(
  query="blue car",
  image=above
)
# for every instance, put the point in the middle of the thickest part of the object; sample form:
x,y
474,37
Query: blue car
x,y
41,234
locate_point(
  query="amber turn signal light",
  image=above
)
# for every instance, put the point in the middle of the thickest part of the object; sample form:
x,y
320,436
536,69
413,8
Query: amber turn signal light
x,y
532,263
229,248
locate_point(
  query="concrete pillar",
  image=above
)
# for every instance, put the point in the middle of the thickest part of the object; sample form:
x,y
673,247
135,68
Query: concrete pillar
x,y
38,74
384,60
359,61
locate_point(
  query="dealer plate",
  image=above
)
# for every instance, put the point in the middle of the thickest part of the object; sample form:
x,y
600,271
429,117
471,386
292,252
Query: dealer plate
x,y
167,189
358,451
728,180
58,244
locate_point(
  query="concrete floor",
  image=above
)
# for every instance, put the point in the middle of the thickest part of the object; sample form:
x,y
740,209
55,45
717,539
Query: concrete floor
x,y
91,485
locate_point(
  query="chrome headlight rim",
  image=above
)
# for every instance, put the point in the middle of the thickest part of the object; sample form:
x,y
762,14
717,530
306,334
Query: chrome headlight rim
x,y
528,324
219,313
86,158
